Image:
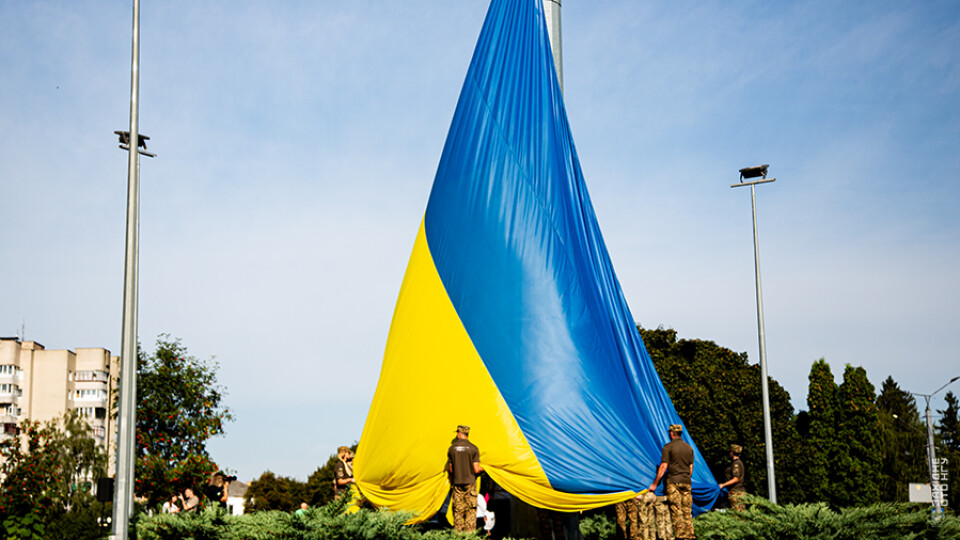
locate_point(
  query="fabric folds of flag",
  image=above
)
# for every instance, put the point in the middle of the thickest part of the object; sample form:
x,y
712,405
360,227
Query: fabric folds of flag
x,y
510,318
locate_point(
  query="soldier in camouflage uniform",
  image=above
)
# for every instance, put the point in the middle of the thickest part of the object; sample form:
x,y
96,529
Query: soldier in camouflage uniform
x,y
463,464
664,525
627,514
646,524
733,476
676,463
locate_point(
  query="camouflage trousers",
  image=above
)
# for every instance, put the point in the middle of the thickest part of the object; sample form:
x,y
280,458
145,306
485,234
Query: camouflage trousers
x,y
464,501
680,500
736,500
664,525
627,517
646,525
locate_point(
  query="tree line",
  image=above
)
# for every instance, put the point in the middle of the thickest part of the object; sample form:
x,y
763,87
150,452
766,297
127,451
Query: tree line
x,y
852,446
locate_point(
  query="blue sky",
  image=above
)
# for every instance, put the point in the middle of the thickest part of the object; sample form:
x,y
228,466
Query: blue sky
x,y
298,141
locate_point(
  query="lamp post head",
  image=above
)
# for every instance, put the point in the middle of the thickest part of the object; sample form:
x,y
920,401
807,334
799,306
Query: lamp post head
x,y
753,172
125,139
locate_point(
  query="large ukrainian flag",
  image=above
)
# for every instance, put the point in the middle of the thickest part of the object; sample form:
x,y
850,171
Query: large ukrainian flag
x,y
510,318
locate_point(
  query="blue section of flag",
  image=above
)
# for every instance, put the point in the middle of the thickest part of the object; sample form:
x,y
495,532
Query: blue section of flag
x,y
516,243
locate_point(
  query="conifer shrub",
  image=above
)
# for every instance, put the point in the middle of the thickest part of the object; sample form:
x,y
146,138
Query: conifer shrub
x,y
761,520
817,521
324,523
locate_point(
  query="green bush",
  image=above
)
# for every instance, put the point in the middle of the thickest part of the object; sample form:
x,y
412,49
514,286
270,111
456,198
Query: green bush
x,y
322,523
764,520
761,520
597,527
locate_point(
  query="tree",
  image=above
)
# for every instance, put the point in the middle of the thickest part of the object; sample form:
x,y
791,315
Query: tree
x,y
949,431
860,463
49,472
29,468
82,462
179,409
823,423
717,394
903,442
272,492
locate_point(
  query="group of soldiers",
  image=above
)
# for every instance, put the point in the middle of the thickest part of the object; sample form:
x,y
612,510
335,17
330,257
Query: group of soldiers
x,y
649,517
669,516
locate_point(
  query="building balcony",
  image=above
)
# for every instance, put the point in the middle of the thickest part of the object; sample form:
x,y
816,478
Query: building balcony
x,y
94,376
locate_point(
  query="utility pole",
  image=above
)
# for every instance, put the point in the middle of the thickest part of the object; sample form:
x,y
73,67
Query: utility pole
x,y
936,492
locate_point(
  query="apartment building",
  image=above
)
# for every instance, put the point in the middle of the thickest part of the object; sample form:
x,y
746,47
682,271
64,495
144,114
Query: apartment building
x,y
40,385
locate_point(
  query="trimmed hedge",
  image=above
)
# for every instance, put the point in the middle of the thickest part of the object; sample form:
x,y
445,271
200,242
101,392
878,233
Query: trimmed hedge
x,y
761,520
324,523
764,520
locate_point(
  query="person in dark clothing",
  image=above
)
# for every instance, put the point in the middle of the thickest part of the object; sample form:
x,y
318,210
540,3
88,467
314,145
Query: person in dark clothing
x,y
342,471
733,479
676,462
217,489
463,464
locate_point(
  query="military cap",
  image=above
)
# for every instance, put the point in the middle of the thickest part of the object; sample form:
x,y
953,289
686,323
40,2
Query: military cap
x,y
463,429
676,428
736,449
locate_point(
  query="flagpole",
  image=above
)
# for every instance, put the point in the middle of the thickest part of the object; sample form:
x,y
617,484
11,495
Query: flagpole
x,y
551,11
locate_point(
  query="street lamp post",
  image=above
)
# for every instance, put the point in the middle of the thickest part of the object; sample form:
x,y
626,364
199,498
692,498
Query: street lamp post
x,y
131,141
936,495
747,173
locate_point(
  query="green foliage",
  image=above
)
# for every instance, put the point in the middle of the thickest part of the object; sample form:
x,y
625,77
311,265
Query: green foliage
x,y
717,393
763,520
272,492
28,471
859,460
949,425
48,473
324,523
179,409
760,520
81,461
26,527
823,426
948,430
902,442
597,526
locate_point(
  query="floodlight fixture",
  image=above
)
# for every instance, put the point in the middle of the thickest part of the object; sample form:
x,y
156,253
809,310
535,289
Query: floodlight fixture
x,y
753,172
142,139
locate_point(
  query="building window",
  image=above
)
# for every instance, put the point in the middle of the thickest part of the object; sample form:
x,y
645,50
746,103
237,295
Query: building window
x,y
91,375
89,394
6,388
